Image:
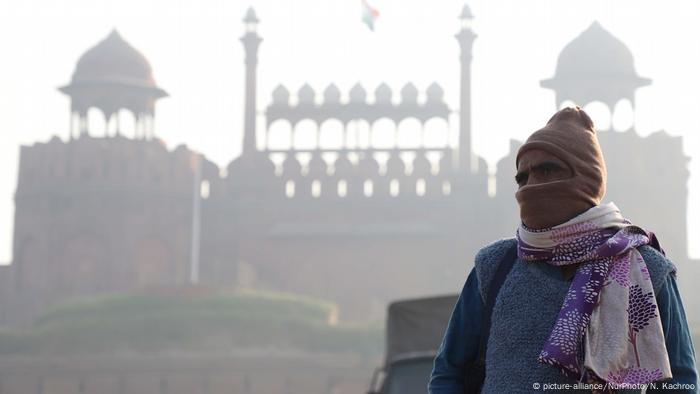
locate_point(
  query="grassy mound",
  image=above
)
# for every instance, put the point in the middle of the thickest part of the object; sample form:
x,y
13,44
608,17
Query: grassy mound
x,y
200,320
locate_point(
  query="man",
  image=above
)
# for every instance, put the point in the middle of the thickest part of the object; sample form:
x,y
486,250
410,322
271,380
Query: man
x,y
590,298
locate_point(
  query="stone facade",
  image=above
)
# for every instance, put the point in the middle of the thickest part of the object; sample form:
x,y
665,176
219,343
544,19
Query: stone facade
x,y
356,224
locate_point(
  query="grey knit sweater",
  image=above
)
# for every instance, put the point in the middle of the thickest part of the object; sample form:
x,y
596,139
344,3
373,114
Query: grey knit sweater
x,y
524,314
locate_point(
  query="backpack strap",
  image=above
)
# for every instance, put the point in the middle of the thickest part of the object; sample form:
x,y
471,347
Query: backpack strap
x,y
478,370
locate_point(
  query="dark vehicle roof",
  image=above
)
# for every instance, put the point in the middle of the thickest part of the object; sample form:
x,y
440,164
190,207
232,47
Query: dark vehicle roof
x,y
416,326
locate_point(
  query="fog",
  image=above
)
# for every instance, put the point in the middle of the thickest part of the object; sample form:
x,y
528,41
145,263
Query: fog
x,y
257,209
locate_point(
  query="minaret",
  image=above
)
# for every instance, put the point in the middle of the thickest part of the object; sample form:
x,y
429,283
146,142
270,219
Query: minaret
x,y
251,40
466,38
252,170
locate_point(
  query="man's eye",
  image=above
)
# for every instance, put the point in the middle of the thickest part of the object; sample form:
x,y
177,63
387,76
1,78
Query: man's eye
x,y
547,169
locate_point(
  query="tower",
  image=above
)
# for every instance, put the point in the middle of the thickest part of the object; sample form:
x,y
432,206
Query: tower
x,y
251,171
251,41
112,76
96,215
466,38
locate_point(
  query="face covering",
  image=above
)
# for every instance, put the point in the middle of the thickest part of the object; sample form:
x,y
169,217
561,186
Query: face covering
x,y
570,136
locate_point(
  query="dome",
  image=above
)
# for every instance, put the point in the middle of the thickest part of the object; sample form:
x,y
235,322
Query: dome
x,y
409,93
112,76
466,13
435,92
595,66
306,94
280,95
251,16
114,60
383,94
358,94
331,94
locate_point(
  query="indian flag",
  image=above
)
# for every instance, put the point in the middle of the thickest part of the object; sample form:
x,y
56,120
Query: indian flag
x,y
369,14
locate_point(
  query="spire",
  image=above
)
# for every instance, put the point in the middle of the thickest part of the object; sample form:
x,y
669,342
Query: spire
x,y
251,41
250,16
466,38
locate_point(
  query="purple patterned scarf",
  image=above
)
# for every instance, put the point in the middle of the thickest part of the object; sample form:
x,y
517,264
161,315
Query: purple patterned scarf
x,y
608,328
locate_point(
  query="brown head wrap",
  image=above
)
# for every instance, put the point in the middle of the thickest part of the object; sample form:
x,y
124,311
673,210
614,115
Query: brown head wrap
x,y
570,136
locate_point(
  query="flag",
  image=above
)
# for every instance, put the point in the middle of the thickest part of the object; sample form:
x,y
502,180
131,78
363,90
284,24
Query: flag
x,y
369,14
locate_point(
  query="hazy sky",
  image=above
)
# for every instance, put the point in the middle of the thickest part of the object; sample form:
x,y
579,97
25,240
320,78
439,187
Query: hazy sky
x,y
196,56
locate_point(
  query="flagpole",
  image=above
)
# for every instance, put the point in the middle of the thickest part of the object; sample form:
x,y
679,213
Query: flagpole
x,y
196,219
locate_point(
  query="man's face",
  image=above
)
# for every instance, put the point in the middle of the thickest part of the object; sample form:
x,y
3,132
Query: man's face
x,y
537,166
544,190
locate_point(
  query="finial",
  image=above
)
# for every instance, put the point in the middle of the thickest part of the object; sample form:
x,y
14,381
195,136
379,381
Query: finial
x,y
466,13
250,16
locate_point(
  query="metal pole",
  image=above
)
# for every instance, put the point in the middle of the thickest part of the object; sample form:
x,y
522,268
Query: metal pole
x,y
196,219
